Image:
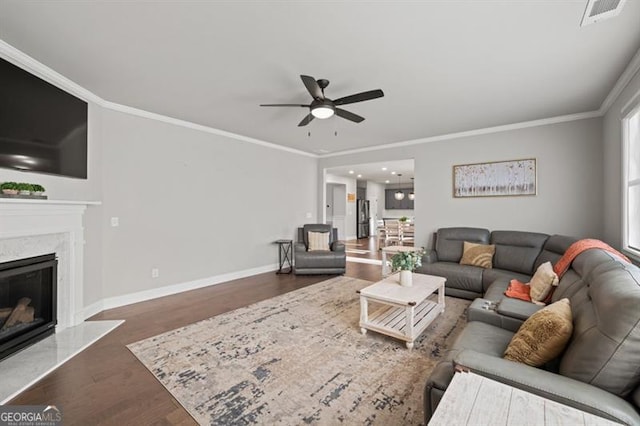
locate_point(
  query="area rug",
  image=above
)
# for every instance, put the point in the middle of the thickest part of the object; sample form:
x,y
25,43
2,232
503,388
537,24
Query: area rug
x,y
298,358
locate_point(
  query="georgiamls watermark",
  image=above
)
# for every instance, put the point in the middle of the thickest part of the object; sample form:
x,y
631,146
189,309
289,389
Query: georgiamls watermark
x,y
30,415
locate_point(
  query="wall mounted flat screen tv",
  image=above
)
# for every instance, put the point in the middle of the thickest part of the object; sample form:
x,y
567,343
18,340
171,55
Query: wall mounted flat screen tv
x,y
42,128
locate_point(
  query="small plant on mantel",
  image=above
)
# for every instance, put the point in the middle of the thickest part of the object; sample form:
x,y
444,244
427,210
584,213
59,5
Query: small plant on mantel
x,y
24,188
9,188
37,189
403,219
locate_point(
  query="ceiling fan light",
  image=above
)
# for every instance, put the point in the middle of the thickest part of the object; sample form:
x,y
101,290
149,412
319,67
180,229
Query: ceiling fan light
x,y
399,195
322,112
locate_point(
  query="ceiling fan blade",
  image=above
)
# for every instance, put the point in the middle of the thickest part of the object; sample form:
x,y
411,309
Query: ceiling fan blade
x,y
306,120
359,97
348,115
312,86
285,105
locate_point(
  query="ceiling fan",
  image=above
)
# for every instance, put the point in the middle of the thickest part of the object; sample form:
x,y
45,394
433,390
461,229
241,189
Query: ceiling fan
x,y
323,107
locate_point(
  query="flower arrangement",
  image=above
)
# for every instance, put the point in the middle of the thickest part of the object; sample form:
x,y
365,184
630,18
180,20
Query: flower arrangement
x,y
406,260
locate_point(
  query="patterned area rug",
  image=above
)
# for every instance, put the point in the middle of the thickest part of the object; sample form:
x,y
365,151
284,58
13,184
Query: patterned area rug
x,y
298,358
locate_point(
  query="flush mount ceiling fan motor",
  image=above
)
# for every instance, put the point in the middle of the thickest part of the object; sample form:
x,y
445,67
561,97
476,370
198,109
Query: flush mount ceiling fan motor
x,y
322,107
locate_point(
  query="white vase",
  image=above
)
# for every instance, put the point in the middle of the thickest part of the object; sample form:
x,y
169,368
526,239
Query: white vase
x,y
406,278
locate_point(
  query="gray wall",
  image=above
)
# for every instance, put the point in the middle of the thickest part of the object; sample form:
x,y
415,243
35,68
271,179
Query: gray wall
x,y
190,203
613,161
194,204
569,165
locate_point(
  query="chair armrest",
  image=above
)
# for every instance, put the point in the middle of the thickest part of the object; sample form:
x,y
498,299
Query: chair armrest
x,y
555,387
299,248
516,308
337,246
429,256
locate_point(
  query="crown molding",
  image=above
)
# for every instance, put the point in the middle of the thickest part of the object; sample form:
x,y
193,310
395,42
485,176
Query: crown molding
x,y
469,133
202,128
26,62
629,72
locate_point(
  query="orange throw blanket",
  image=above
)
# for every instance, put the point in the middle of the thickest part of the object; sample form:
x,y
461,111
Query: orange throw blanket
x,y
519,290
577,248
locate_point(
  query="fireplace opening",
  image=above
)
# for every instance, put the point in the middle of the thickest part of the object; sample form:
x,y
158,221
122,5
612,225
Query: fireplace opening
x,y
28,289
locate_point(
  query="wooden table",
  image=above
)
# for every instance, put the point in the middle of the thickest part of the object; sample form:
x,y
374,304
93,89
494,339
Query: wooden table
x,y
496,403
386,267
405,312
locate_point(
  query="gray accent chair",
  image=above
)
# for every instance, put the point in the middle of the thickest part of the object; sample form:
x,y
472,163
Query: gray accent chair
x,y
308,262
599,371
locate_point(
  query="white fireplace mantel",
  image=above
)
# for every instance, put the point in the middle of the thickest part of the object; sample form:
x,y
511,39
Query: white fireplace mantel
x,y
30,227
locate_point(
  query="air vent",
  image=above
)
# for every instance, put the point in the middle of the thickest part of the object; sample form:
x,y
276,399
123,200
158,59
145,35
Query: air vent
x,y
597,10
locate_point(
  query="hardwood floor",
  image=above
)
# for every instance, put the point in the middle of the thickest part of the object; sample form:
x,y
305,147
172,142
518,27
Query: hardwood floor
x,y
105,384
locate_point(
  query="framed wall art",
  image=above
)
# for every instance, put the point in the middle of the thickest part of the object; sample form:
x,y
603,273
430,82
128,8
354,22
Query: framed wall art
x,y
495,179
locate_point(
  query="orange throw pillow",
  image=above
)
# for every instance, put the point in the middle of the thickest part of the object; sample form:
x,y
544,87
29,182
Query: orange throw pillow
x,y
518,290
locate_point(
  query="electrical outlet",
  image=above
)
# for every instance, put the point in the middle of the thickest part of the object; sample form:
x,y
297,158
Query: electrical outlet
x,y
309,215
115,221
155,273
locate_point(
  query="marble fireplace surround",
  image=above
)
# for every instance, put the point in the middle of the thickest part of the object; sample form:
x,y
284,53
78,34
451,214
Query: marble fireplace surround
x,y
36,227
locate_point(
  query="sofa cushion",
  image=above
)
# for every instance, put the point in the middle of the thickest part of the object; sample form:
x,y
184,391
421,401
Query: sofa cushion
x,y
553,249
517,251
449,241
543,336
491,275
608,321
320,259
464,277
496,290
477,254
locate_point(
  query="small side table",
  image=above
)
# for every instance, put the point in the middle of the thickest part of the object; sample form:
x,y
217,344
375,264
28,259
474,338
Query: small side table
x,y
285,255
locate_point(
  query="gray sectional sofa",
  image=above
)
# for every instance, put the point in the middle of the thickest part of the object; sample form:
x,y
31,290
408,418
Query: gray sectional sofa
x,y
599,371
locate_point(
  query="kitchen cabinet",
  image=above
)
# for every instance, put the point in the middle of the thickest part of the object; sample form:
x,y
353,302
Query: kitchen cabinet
x,y
390,202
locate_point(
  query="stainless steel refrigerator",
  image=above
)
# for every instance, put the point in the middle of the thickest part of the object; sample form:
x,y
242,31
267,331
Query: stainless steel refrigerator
x,y
363,218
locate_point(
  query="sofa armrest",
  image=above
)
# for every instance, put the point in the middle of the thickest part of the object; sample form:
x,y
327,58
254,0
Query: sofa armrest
x,y
555,387
516,308
337,246
299,248
429,256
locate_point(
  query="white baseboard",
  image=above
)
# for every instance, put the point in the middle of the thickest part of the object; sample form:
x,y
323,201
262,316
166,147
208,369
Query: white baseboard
x,y
154,293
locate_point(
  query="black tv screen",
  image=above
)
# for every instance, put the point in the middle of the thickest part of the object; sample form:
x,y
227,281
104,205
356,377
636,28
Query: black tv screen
x,y
42,128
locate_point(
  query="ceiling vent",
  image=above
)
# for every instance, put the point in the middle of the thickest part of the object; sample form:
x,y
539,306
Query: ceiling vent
x,y
598,10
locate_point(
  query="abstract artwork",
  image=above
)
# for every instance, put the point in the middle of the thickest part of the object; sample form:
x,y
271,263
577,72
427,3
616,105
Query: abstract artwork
x,y
495,179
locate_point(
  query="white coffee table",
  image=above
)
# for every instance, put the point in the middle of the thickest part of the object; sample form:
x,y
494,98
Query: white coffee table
x,y
405,312
391,250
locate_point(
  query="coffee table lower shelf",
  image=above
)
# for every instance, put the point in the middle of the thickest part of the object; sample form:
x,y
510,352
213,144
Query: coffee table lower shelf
x,y
392,320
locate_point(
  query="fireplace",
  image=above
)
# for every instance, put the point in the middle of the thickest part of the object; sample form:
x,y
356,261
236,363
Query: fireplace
x,y
28,293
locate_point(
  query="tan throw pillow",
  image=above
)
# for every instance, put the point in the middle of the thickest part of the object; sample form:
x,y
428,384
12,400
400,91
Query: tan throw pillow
x,y
543,336
318,241
542,281
478,255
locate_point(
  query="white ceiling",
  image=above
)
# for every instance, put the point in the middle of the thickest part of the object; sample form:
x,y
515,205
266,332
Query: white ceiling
x,y
445,66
